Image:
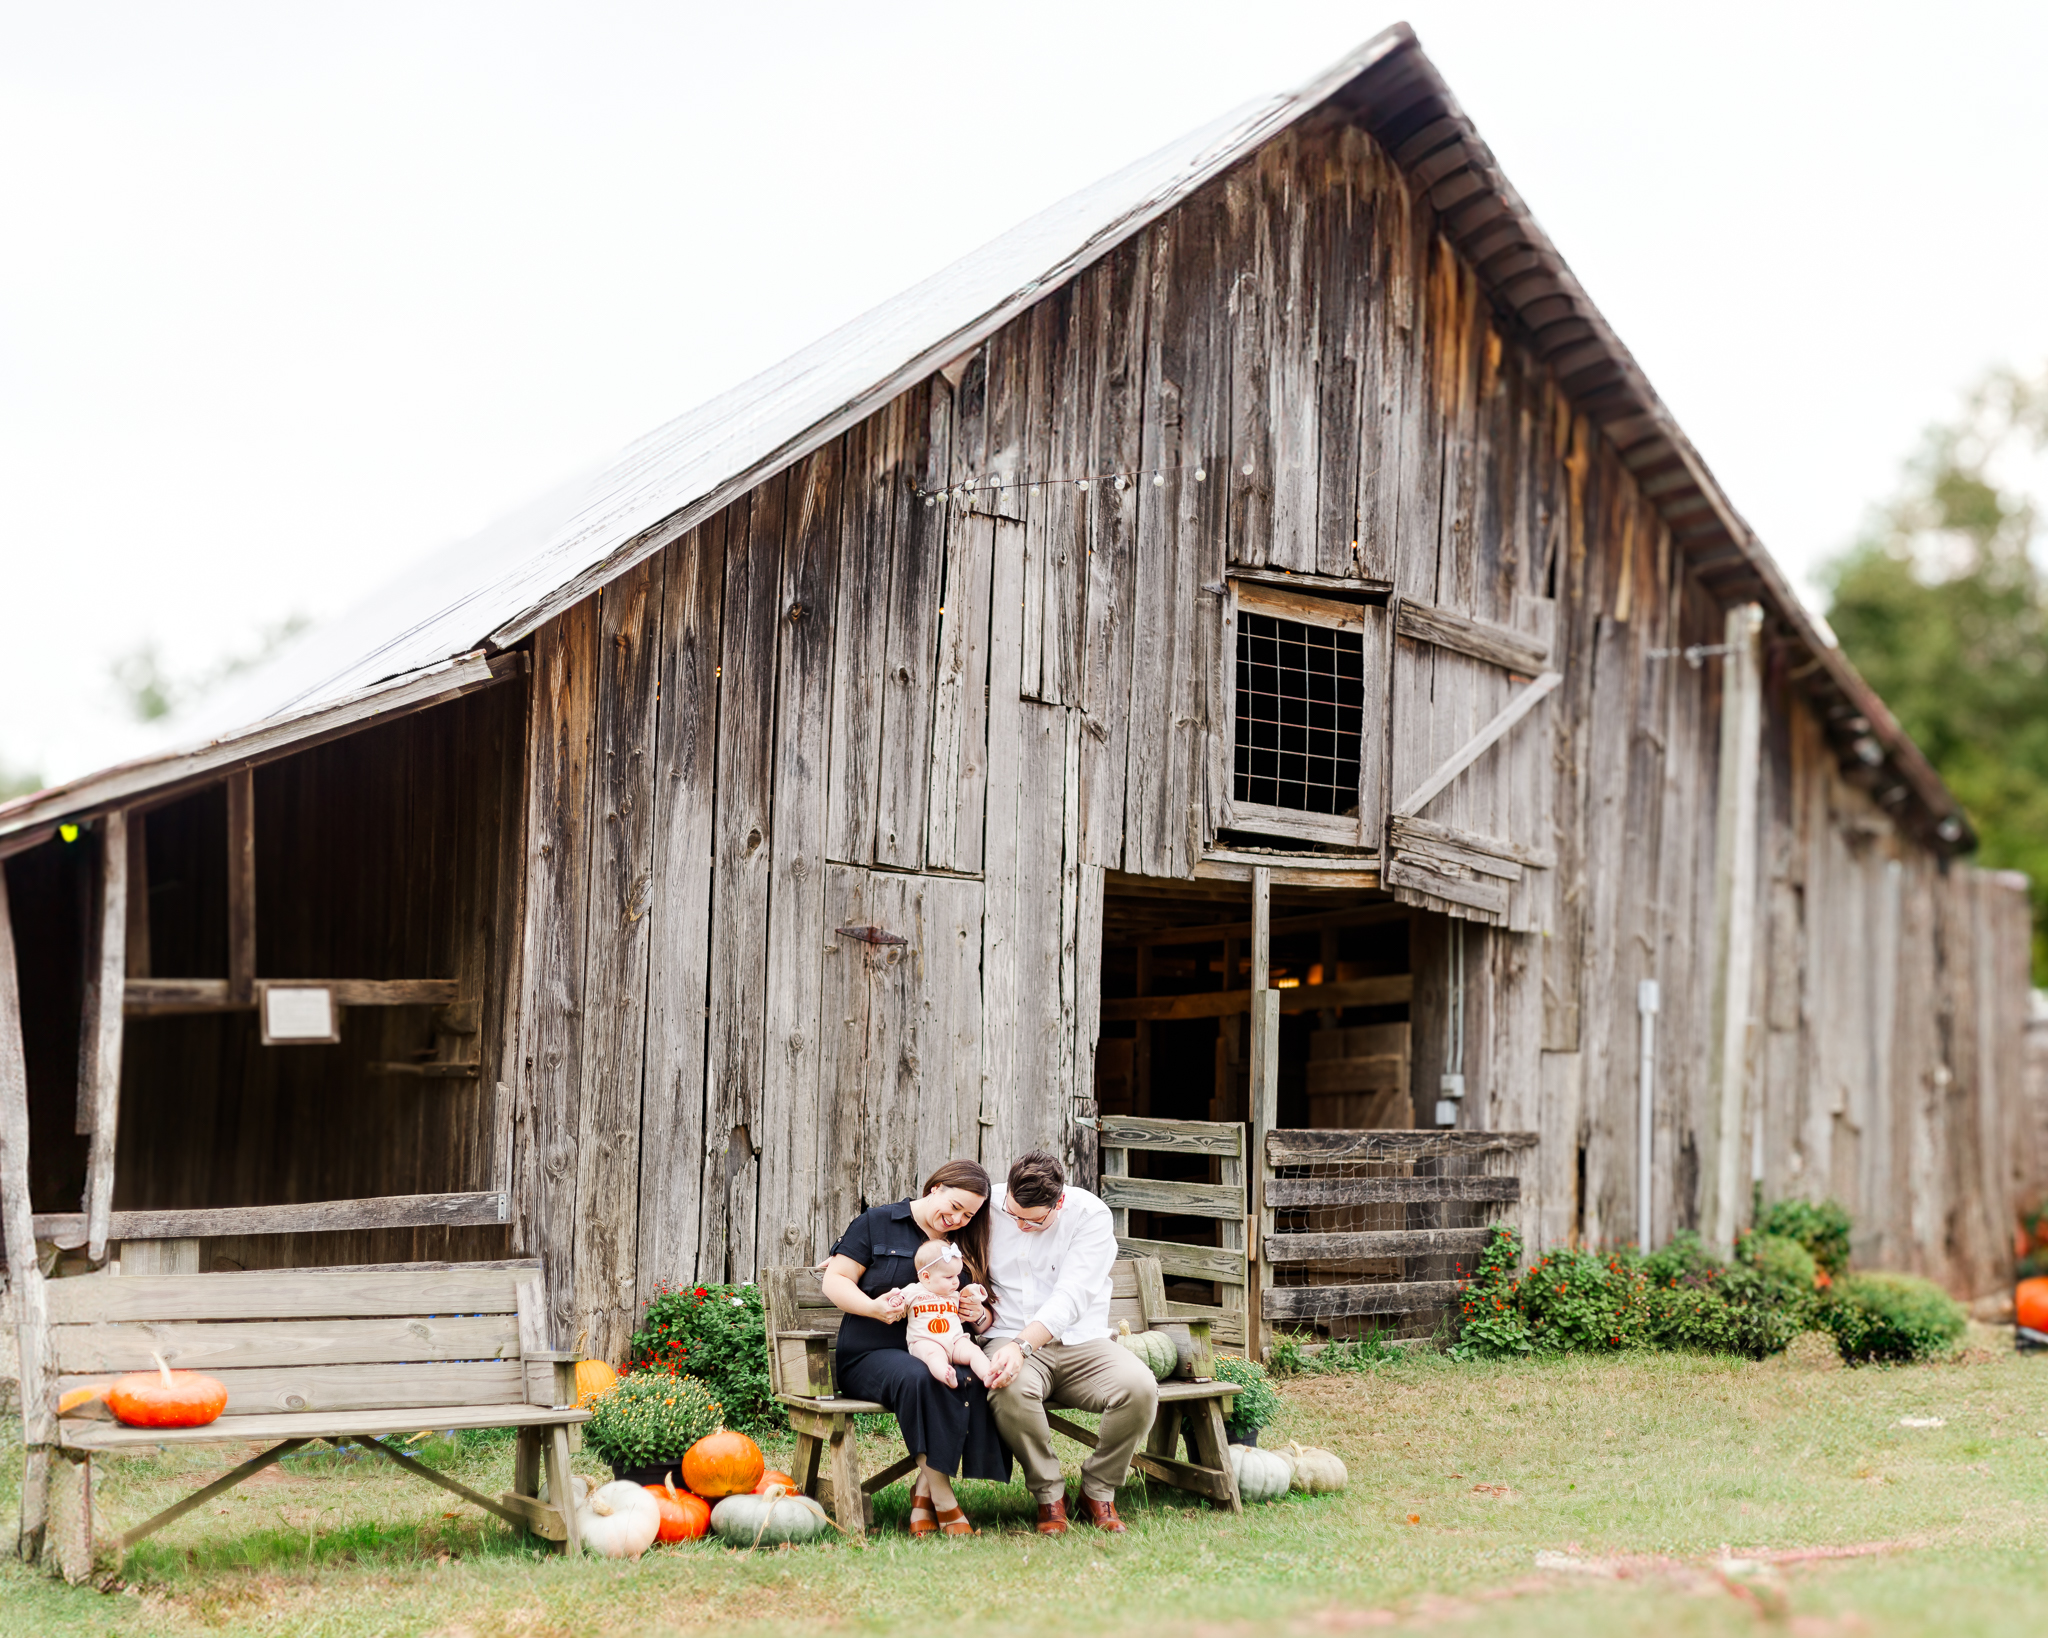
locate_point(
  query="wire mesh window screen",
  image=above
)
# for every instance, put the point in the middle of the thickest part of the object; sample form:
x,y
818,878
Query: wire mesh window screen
x,y
1300,709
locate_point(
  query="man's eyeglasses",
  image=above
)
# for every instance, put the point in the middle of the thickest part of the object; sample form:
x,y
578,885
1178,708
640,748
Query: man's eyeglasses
x,y
1031,1225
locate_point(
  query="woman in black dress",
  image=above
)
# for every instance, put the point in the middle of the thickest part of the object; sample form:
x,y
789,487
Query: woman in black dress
x,y
949,1430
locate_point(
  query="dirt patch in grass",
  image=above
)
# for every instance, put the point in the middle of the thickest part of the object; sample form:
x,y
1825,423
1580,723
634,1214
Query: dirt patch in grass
x,y
1665,1493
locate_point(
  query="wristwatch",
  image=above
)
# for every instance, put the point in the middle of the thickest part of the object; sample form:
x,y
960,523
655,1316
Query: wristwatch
x,y
1026,1346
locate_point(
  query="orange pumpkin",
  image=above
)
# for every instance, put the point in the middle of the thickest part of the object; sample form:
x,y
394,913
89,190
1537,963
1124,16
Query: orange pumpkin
x,y
2030,1303
723,1464
684,1517
771,1477
165,1398
78,1398
594,1377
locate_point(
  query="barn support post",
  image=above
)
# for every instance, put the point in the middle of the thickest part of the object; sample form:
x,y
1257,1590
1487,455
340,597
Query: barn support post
x,y
25,1276
1265,1106
1735,867
99,1054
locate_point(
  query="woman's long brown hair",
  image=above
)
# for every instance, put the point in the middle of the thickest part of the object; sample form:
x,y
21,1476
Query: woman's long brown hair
x,y
973,1238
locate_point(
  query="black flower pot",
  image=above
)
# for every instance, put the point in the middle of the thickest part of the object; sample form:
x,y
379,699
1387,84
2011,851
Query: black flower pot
x,y
651,1475
1240,1435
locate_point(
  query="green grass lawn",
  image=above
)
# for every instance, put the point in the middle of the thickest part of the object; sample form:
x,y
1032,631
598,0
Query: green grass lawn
x,y
1580,1497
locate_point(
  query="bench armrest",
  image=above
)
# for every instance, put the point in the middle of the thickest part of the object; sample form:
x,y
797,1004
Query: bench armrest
x,y
552,1356
804,1362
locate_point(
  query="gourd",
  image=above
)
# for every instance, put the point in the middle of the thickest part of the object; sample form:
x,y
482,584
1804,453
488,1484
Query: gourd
x,y
771,1477
684,1517
593,1378
723,1464
77,1399
773,1518
1155,1348
2030,1303
164,1398
1317,1471
620,1520
1262,1475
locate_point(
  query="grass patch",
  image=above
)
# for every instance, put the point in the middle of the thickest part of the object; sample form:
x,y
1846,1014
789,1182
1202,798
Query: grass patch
x,y
1628,1475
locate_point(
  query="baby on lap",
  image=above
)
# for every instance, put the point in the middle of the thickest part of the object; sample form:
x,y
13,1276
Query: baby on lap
x,y
932,1310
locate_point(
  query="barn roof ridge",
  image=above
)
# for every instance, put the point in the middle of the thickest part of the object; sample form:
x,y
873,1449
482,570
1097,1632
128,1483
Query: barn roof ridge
x,y
490,591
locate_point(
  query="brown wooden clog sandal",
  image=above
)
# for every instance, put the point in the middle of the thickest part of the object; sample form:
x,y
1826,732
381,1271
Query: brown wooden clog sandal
x,y
954,1523
922,1520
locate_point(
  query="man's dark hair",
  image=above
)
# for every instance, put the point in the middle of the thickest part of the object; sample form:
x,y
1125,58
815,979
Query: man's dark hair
x,y
1036,1180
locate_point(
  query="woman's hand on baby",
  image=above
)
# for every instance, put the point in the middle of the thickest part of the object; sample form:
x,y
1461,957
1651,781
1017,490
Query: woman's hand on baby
x,y
889,1307
971,1299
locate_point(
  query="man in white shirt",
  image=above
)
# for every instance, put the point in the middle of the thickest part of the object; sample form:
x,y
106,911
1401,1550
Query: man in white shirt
x,y
1051,1249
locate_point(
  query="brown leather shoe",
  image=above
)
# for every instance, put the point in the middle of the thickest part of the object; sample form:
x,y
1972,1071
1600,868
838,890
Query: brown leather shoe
x,y
1052,1517
1101,1514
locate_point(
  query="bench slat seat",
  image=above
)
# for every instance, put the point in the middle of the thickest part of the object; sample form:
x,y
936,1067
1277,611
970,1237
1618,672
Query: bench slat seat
x,y
77,1433
803,1335
308,1354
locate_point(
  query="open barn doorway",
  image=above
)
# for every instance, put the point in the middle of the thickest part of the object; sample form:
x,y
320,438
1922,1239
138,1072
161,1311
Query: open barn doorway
x,y
1175,1044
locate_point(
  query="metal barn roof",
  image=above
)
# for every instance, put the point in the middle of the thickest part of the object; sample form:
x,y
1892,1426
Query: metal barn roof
x,y
431,634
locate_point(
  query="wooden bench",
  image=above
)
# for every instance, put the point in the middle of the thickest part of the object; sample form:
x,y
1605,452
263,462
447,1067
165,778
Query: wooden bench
x,y
803,1332
344,1355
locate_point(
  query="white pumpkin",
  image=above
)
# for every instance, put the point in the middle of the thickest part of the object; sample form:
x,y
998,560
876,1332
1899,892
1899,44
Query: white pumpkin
x,y
1262,1475
769,1521
1317,1471
620,1520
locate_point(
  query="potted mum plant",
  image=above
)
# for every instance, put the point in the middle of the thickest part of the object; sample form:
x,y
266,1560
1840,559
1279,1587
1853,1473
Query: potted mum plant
x,y
1256,1404
643,1426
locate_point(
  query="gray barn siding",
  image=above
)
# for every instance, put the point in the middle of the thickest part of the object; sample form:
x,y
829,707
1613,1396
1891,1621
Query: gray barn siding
x,y
947,718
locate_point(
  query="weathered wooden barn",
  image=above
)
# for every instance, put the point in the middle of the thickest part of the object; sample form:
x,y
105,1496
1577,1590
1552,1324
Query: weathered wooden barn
x,y
1264,572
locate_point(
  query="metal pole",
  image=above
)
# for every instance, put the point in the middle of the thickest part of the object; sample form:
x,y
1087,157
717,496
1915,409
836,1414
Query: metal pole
x,y
1646,1103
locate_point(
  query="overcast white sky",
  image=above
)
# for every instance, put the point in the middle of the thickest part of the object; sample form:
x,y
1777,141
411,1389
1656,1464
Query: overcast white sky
x,y
291,295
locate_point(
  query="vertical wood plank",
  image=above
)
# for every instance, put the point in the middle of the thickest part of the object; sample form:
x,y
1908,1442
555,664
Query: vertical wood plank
x,y
1734,916
1064,333
1342,224
1295,192
1117,444
38,1377
876,486
992,450
1246,258
741,874
241,789
915,587
1390,336
621,880
561,724
796,1034
1002,854
843,1075
1087,1025
99,1067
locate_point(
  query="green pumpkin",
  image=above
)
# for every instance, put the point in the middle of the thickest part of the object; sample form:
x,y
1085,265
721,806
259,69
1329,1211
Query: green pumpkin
x,y
1155,1348
1262,1475
769,1520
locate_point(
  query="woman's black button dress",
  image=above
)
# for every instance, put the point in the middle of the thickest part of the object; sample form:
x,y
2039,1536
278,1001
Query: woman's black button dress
x,y
952,1428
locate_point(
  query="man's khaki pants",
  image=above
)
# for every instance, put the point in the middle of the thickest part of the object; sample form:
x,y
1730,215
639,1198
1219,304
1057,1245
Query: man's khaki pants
x,y
1091,1376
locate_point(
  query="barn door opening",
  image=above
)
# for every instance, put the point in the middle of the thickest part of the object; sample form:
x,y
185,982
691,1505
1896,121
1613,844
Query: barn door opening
x,y
1179,961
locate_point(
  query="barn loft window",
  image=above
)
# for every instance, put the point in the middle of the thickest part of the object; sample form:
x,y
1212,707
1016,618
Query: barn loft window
x,y
1300,712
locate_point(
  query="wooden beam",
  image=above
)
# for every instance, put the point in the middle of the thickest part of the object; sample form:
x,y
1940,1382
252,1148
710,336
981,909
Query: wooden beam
x,y
1482,639
420,1470
1177,1199
1475,747
307,1217
1174,1137
1308,1302
1264,1098
154,997
1329,1248
31,1312
241,786
99,1029
1188,1262
1393,990
1293,1193
227,1481
1302,1148
1363,915
1408,828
